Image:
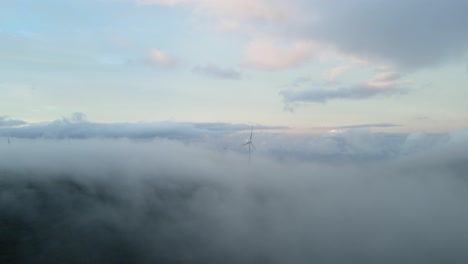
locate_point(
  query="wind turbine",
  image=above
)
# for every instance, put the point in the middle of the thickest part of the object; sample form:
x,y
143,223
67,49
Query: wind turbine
x,y
249,142
9,141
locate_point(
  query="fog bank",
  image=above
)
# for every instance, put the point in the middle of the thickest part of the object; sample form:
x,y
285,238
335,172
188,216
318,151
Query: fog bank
x,y
162,201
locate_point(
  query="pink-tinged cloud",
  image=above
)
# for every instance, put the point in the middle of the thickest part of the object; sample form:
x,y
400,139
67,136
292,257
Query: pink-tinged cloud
x,y
264,54
332,75
384,80
160,58
379,31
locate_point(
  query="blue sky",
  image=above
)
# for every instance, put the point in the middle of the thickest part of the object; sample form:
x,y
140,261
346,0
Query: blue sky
x,y
300,64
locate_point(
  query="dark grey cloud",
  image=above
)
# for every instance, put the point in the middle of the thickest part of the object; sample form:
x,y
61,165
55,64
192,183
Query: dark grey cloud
x,y
410,34
218,72
6,121
120,201
384,83
358,92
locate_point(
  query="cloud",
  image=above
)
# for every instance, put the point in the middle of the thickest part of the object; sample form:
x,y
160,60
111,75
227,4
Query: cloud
x,y
406,34
234,127
386,83
409,34
161,58
77,127
218,72
345,145
6,121
271,141
231,14
107,201
332,75
267,55
77,117
367,126
319,95
300,81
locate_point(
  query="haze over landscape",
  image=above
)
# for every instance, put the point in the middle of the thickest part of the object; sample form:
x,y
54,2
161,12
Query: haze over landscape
x,y
122,124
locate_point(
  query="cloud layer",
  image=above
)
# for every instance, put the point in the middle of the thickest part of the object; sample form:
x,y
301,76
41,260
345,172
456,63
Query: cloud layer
x,y
6,121
77,127
96,201
350,143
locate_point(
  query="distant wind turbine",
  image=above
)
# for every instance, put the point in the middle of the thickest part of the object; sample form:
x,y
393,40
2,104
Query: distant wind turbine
x,y
9,141
249,142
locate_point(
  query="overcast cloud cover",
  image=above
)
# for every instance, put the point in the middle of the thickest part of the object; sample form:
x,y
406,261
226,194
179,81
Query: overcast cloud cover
x,y
409,34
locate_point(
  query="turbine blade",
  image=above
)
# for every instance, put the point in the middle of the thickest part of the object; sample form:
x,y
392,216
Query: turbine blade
x,y
251,132
245,144
253,145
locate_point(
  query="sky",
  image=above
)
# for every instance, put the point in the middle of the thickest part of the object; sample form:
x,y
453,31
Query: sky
x,y
392,66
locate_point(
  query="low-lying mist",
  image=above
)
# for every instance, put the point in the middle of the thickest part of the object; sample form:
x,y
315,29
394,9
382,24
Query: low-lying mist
x,y
162,201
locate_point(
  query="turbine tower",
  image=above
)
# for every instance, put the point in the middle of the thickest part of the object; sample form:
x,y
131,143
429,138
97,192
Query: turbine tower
x,y
249,142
